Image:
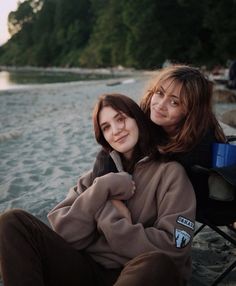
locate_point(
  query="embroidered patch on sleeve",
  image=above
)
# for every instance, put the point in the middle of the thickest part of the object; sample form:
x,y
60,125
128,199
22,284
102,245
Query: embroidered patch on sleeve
x,y
182,238
186,222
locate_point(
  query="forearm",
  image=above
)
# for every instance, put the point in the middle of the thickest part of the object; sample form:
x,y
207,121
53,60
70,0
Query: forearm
x,y
124,238
176,203
73,218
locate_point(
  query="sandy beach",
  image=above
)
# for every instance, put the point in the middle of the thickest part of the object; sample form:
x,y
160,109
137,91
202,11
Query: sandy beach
x,y
47,142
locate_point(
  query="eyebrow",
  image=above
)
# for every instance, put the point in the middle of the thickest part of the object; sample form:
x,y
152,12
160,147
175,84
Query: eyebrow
x,y
173,95
162,88
103,124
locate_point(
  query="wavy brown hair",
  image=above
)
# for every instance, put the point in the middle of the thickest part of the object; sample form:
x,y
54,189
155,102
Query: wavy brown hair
x,y
122,103
196,99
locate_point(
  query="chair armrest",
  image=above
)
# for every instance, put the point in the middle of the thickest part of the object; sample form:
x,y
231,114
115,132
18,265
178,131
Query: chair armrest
x,y
221,182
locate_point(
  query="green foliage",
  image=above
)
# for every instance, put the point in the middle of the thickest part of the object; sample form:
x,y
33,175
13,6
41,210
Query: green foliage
x,y
21,17
100,33
221,21
143,47
108,38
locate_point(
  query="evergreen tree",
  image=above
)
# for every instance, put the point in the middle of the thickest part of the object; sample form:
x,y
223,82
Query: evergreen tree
x,y
101,33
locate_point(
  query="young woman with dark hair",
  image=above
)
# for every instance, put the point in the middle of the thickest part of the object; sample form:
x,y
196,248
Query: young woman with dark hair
x,y
133,227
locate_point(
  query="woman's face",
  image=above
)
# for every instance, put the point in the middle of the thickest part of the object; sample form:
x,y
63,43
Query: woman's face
x,y
165,108
119,130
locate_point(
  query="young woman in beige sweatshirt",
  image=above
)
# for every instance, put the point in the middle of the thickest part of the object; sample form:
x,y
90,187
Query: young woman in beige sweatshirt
x,y
133,227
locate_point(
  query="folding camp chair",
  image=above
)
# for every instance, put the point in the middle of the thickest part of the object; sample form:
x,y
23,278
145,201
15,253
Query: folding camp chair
x,y
218,214
214,218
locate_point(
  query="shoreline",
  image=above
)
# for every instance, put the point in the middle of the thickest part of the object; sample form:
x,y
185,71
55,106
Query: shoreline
x,y
112,71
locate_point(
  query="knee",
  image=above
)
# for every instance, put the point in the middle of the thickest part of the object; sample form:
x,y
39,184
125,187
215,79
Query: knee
x,y
152,259
10,220
152,268
162,268
155,261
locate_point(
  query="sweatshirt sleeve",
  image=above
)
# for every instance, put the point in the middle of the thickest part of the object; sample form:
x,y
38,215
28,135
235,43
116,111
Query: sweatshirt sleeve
x,y
172,230
103,164
73,218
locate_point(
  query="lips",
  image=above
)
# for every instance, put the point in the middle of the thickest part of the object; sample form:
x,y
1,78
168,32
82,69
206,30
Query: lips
x,y
121,139
158,114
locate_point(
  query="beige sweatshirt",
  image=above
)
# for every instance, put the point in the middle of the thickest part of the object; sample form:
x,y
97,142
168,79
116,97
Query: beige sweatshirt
x,y
162,211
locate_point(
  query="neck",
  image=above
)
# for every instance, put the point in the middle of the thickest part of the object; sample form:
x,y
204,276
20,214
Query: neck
x,y
173,130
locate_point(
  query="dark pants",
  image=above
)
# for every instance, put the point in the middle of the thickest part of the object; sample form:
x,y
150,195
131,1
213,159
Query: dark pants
x,y
31,254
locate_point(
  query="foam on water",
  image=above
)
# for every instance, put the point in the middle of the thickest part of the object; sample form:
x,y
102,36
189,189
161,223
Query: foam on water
x,y
13,134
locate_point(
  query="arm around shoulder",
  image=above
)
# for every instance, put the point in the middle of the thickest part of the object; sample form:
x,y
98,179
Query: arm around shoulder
x,y
174,221
77,212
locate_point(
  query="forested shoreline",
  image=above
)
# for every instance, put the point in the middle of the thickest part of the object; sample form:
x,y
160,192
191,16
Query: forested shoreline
x,y
107,33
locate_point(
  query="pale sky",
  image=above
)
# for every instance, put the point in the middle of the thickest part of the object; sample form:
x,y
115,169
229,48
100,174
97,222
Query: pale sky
x,y
6,6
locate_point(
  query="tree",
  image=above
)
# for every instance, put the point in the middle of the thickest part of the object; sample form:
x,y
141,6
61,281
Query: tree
x,y
19,18
220,20
141,34
108,39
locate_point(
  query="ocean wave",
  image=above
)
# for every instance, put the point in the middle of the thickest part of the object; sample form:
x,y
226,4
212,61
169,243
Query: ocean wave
x,y
13,134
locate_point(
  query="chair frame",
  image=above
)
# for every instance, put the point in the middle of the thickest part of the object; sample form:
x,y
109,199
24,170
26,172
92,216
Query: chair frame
x,y
217,228
205,222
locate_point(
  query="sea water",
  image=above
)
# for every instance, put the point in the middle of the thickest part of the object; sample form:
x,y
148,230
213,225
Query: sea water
x,y
11,78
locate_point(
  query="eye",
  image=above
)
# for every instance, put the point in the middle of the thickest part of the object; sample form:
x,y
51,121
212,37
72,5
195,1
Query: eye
x,y
105,128
159,93
121,118
174,102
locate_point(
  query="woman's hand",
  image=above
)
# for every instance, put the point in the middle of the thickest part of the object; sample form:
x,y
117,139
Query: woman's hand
x,y
118,186
121,207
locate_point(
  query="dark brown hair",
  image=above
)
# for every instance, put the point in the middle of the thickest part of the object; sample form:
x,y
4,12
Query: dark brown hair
x,y
196,99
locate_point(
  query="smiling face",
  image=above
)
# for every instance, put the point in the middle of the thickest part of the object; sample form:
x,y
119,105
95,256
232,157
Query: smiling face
x,y
119,130
166,109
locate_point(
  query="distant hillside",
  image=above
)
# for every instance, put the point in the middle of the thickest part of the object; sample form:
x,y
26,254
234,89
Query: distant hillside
x,y
101,33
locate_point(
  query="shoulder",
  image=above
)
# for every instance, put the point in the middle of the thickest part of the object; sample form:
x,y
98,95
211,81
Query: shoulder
x,y
102,154
172,167
103,164
166,177
162,163
208,138
200,154
162,167
174,177
84,181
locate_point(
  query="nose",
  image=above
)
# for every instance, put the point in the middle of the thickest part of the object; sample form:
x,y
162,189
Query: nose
x,y
162,103
116,128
